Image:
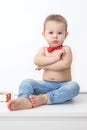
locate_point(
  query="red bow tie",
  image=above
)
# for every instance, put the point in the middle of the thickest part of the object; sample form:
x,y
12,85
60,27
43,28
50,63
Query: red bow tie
x,y
50,49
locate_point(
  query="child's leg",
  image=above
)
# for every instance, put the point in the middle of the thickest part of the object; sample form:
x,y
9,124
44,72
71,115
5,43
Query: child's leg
x,y
38,100
19,104
34,87
36,93
67,91
27,88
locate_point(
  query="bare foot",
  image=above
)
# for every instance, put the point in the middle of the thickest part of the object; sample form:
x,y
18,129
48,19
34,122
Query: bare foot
x,y
38,100
19,104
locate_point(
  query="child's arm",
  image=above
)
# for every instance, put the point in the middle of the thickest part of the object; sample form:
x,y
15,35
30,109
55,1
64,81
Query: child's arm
x,y
63,63
41,59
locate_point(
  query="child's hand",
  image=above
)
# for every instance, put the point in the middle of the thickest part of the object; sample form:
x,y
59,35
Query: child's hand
x,y
59,54
38,68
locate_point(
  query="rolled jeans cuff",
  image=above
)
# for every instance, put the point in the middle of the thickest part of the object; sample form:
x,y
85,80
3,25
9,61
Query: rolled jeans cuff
x,y
49,101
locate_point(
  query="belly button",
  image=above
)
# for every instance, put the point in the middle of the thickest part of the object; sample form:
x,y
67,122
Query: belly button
x,y
52,79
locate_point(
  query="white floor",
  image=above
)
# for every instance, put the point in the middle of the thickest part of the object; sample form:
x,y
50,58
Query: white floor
x,y
76,107
70,115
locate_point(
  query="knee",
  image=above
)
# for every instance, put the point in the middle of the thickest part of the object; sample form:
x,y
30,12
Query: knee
x,y
76,88
25,83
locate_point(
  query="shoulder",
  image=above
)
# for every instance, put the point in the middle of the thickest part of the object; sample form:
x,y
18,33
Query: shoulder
x,y
41,50
67,48
68,52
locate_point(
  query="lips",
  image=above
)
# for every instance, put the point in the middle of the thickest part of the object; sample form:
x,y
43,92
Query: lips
x,y
55,41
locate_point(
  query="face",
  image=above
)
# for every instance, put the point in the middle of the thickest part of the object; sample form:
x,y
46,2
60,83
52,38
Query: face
x,y
54,33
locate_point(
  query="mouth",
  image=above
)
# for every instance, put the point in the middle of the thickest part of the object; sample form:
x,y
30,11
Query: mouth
x,y
55,41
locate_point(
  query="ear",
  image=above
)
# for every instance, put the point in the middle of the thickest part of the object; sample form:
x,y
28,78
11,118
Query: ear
x,y
66,34
43,34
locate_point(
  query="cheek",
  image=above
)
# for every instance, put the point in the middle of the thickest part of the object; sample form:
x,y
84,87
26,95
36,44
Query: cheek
x,y
62,38
48,38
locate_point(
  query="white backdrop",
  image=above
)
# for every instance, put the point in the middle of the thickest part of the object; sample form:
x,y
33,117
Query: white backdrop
x,y
21,24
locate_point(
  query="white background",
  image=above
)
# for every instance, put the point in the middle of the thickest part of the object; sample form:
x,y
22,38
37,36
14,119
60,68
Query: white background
x,y
21,25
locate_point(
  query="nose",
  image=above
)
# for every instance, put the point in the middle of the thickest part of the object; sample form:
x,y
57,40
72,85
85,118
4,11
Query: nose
x,y
55,35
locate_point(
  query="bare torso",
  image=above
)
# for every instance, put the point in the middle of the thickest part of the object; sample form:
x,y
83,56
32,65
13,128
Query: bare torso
x,y
61,75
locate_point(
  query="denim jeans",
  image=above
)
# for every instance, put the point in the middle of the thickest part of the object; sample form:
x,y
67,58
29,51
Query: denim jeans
x,y
58,92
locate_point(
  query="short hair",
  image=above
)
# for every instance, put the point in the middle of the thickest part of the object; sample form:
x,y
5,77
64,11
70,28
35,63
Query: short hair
x,y
57,18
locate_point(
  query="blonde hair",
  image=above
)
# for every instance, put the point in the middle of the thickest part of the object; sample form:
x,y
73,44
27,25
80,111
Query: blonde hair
x,y
57,18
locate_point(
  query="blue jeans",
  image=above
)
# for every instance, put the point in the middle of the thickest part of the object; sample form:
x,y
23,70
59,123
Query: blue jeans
x,y
58,92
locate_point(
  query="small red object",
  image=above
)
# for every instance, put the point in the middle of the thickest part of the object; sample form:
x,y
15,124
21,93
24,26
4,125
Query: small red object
x,y
5,96
50,49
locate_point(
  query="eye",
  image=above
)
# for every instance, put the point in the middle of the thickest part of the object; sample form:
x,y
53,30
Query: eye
x,y
50,32
59,32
